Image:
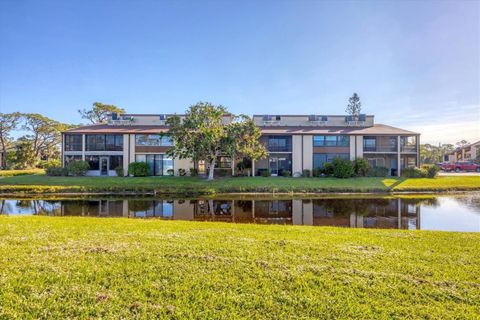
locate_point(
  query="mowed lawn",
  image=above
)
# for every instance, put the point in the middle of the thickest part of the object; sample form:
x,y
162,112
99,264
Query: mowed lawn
x,y
59,268
197,185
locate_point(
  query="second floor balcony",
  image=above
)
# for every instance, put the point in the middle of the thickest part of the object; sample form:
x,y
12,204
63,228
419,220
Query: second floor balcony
x,y
389,144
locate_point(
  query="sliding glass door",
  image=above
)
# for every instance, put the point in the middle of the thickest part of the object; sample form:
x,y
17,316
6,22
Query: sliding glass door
x,y
280,163
159,164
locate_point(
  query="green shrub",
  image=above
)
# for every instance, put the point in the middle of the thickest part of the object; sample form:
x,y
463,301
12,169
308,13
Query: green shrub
x,y
42,164
139,169
414,172
182,172
119,171
286,173
360,167
317,172
265,173
56,171
377,172
342,168
193,172
306,173
170,172
78,168
328,168
431,170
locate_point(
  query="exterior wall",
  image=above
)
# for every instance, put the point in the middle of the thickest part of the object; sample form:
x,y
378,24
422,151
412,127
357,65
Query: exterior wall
x,y
297,155
184,164
359,152
131,149
307,152
126,150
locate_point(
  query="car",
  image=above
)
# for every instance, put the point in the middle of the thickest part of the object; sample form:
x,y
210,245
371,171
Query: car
x,y
459,166
447,166
466,166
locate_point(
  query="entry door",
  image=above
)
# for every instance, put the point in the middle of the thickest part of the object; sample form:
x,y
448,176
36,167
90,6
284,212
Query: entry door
x,y
104,166
274,165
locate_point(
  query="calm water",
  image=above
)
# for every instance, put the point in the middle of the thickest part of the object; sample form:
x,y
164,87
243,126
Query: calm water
x,y
459,212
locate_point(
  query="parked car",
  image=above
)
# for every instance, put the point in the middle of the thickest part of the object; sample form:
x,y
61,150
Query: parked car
x,y
460,166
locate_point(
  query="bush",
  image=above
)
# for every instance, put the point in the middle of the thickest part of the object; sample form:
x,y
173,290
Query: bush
x,y
377,172
78,168
328,168
306,173
342,168
360,167
42,164
182,172
317,172
56,171
193,172
431,170
414,172
119,171
139,169
170,172
286,173
265,173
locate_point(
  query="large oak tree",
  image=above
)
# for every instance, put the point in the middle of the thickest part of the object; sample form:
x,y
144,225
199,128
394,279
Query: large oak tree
x,y
203,134
8,123
99,112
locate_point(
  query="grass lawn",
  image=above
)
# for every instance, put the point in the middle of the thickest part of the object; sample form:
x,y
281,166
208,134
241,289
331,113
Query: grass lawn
x,y
199,186
11,173
57,268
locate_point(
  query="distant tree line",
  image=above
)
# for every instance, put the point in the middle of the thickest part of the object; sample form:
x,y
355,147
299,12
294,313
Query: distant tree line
x,y
39,143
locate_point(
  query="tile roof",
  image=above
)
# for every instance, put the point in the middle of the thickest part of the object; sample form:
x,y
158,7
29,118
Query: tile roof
x,y
379,129
375,129
105,128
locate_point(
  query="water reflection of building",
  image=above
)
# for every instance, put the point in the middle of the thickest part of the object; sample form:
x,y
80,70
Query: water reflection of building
x,y
368,213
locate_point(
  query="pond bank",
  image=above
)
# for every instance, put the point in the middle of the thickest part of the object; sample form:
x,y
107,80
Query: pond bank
x,y
194,186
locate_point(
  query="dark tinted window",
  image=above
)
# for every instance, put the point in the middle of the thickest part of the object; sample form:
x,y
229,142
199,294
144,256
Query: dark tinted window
x,y
73,142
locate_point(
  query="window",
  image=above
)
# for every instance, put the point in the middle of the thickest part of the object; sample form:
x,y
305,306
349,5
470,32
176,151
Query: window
x,y
104,142
159,164
319,159
152,140
408,144
331,141
279,144
93,162
116,162
73,142
68,159
113,142
224,162
369,144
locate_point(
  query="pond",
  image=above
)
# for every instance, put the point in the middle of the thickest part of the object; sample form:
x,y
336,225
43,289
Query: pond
x,y
458,212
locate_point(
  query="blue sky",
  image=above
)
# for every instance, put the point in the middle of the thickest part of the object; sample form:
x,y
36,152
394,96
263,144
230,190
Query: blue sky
x,y
415,64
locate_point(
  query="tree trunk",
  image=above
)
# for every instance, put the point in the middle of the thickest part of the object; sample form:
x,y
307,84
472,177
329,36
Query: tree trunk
x,y
3,160
211,169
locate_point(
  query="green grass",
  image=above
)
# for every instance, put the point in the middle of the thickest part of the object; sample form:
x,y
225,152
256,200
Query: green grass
x,y
58,268
199,186
12,173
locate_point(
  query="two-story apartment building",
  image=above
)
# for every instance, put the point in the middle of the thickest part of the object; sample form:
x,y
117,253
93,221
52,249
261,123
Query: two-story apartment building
x,y
294,143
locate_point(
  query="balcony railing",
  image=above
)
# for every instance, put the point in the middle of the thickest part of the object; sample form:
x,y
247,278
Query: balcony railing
x,y
408,148
381,148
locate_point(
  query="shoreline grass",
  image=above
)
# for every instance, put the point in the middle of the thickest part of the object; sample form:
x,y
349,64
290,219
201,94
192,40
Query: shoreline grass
x,y
41,184
54,268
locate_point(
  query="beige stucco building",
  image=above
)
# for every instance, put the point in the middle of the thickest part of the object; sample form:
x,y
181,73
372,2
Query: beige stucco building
x,y
294,143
